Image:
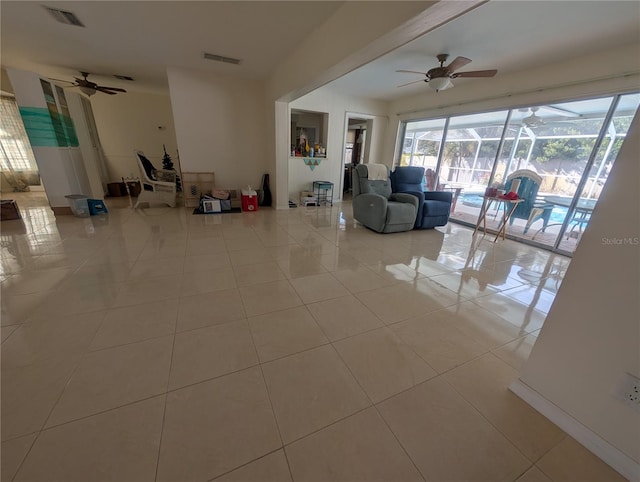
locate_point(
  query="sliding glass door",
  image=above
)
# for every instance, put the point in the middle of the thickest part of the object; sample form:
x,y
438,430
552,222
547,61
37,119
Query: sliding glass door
x,y
468,160
563,151
593,181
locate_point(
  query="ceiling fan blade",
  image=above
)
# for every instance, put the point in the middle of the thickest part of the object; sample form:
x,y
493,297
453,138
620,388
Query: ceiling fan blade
x,y
106,91
116,89
457,63
560,110
411,72
414,82
475,73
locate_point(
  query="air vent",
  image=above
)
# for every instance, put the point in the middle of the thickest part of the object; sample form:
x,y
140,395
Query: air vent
x,y
123,77
221,58
63,16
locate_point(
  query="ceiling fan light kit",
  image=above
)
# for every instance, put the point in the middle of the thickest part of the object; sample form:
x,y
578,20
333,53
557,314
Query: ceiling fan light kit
x,y
439,78
87,90
440,83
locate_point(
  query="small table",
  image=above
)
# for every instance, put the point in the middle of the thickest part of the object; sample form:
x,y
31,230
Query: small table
x,y
324,192
508,207
583,209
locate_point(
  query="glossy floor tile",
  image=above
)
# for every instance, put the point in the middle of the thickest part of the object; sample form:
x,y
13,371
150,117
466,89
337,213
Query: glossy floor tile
x,y
310,390
278,346
430,419
122,443
359,448
213,427
382,363
285,332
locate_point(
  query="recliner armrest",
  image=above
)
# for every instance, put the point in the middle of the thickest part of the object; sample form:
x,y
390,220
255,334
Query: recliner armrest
x,y
445,196
409,198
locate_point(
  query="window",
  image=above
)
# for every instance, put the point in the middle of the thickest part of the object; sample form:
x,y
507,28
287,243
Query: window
x,y
570,147
15,148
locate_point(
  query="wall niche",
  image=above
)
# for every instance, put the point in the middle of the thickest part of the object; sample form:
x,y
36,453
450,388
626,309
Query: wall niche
x,y
308,133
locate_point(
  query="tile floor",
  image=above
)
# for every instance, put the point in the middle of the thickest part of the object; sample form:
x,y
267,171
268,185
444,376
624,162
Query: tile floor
x,y
270,346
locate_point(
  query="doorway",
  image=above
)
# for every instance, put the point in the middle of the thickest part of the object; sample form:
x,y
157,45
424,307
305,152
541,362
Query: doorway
x,y
357,142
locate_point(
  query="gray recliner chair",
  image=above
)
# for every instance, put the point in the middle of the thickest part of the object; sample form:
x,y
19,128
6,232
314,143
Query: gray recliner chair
x,y
376,207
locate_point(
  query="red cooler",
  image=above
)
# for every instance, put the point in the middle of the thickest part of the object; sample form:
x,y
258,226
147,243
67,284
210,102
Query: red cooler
x,y
249,200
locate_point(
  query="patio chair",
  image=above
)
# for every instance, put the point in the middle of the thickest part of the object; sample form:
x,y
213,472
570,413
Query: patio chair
x,y
532,209
158,185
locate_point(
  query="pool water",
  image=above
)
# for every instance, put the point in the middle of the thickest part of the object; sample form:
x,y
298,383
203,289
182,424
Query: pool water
x,y
475,200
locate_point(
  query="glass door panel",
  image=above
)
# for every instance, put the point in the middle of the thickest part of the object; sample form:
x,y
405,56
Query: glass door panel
x,y
594,184
469,154
552,144
422,141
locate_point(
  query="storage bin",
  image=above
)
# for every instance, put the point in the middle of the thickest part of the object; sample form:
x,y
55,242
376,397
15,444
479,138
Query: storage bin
x,y
79,205
249,200
97,206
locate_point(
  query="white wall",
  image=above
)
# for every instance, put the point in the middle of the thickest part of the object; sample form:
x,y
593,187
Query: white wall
x,y
331,169
357,33
219,126
128,122
591,336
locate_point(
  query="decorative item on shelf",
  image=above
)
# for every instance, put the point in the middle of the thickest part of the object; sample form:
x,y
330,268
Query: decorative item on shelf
x,y
312,162
167,163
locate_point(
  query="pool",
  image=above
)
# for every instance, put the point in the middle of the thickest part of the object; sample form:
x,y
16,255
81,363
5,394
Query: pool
x,y
475,201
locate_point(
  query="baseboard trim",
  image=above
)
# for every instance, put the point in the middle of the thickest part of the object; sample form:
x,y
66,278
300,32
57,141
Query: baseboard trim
x,y
622,463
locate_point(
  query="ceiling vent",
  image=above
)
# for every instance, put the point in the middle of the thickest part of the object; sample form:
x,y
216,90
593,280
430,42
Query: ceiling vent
x,y
221,58
63,16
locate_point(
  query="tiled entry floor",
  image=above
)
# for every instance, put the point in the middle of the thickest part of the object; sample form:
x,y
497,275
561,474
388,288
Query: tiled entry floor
x,y
276,345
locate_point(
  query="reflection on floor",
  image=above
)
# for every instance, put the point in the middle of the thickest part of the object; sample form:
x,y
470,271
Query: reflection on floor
x,y
153,344
469,216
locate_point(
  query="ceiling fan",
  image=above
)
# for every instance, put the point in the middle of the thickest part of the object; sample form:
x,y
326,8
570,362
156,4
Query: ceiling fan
x,y
89,88
439,78
533,120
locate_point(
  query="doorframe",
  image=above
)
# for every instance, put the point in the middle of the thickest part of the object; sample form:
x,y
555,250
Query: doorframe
x,y
353,116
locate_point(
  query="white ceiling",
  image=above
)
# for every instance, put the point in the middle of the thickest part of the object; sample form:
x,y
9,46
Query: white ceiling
x,y
141,39
506,35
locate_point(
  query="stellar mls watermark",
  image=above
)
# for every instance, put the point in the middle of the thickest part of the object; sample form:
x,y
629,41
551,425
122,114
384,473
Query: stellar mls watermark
x,y
626,241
